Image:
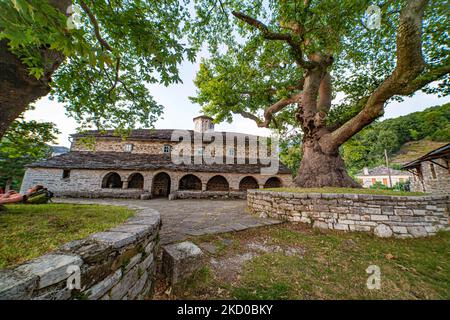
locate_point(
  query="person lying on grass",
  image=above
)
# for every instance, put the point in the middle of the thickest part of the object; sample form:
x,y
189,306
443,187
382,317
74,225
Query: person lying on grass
x,y
14,197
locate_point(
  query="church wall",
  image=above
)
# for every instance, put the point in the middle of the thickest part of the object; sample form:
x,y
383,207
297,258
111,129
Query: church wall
x,y
89,182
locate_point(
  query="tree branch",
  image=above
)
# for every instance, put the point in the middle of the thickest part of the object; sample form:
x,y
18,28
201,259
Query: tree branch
x,y
325,89
404,79
269,35
277,107
94,22
269,112
102,41
422,80
249,115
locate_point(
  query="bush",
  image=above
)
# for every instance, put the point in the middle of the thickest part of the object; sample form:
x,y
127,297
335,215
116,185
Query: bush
x,y
379,185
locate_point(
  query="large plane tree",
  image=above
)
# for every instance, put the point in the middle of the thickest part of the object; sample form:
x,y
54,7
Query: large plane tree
x,y
282,63
96,57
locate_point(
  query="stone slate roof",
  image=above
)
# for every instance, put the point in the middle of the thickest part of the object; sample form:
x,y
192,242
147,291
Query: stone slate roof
x,y
136,161
442,152
147,134
382,171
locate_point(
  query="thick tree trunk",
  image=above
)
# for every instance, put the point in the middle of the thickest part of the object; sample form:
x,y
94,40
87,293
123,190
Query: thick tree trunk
x,y
321,164
322,169
17,87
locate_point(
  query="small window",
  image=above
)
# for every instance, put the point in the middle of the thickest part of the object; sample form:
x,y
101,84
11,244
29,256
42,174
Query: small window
x,y
167,148
128,147
433,172
200,151
66,174
374,180
231,152
385,181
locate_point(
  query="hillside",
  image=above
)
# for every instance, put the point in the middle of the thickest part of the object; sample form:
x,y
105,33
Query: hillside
x,y
414,149
405,138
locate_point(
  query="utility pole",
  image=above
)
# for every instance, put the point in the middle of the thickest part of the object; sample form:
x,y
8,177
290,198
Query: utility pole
x,y
387,166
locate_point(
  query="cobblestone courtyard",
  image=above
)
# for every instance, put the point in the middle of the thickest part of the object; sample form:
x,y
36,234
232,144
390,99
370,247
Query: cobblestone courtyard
x,y
192,217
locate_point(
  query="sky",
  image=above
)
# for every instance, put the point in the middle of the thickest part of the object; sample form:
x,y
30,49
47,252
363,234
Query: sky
x,y
179,110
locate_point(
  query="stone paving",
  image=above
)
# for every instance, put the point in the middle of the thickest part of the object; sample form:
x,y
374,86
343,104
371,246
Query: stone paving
x,y
192,217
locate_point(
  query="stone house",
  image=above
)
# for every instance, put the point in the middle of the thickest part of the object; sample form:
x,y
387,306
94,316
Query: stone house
x,y
369,177
431,172
102,164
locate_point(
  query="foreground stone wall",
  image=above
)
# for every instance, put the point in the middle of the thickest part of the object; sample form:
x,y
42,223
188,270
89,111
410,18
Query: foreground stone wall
x,y
118,264
385,216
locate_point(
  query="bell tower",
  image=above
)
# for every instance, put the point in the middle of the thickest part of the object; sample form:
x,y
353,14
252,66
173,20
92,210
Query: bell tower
x,y
203,124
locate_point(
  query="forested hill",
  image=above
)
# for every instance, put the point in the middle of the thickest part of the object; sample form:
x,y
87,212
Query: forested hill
x,y
367,147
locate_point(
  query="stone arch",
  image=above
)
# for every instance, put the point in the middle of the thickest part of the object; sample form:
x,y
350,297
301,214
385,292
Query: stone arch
x,y
190,182
218,183
112,180
273,182
136,181
161,185
248,182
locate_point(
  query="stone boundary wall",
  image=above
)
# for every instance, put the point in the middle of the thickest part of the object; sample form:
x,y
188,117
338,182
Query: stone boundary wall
x,y
385,216
118,264
192,194
107,193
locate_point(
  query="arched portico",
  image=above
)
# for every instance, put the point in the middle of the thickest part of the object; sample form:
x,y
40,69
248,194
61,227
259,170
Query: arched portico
x,y
112,180
273,182
248,182
217,183
190,182
136,181
161,185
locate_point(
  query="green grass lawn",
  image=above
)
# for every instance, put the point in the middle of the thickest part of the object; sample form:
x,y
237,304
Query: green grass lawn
x,y
28,231
313,264
347,190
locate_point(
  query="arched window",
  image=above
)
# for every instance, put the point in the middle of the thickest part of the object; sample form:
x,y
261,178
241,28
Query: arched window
x,y
273,182
190,182
217,183
112,181
161,185
136,181
248,183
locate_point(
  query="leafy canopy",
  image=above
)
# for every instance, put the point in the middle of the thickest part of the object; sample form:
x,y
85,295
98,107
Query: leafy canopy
x,y
117,48
247,73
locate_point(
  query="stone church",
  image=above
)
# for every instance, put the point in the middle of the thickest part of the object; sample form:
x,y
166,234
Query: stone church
x,y
141,166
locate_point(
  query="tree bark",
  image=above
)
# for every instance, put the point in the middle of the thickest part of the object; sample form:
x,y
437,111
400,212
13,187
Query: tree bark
x,y
17,87
322,169
321,164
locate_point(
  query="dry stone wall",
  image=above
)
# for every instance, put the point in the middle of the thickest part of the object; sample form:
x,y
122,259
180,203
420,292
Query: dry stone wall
x,y
118,264
385,216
